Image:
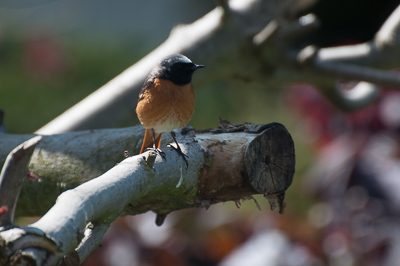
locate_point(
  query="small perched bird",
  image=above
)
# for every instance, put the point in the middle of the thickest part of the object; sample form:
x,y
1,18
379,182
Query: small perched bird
x,y
166,101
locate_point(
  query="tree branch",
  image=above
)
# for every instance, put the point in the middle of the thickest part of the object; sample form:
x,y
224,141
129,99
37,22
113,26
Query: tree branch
x,y
93,238
360,96
12,176
381,52
64,161
231,163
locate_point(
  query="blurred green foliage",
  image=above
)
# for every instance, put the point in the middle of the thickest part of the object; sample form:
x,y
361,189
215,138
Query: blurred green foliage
x,y
30,100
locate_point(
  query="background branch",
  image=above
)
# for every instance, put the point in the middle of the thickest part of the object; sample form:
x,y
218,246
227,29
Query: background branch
x,y
215,40
220,40
381,52
360,96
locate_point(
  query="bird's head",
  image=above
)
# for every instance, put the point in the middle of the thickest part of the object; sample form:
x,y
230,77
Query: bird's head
x,y
176,68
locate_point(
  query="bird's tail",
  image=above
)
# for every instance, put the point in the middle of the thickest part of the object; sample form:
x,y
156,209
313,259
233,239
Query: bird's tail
x,y
148,140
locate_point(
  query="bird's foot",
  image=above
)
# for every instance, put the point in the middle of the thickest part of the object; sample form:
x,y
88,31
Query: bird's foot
x,y
179,151
157,151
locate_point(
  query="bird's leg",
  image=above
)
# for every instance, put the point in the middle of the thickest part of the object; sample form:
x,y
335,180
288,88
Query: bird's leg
x,y
155,149
178,149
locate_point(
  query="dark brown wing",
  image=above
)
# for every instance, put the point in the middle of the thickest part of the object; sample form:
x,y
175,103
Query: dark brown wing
x,y
147,83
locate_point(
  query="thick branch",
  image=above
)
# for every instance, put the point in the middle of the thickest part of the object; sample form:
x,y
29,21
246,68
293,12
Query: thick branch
x,y
236,163
66,160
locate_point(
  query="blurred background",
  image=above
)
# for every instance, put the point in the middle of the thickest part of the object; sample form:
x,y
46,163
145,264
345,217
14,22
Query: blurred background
x,y
343,206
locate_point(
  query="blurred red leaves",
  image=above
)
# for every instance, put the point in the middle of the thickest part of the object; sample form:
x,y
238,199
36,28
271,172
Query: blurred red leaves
x,y
3,210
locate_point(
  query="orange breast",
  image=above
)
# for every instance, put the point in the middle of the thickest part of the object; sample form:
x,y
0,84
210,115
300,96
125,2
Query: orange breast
x,y
166,106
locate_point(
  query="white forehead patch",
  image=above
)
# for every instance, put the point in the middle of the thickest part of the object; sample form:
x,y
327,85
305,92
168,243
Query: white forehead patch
x,y
177,59
184,59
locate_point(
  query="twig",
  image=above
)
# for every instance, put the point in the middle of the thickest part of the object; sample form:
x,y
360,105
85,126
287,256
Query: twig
x,y
388,37
93,238
12,177
309,57
359,96
354,72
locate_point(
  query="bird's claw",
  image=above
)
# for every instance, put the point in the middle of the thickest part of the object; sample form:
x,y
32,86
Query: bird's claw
x,y
179,151
157,151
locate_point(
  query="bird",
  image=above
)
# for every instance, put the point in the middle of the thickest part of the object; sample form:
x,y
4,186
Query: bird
x,y
166,101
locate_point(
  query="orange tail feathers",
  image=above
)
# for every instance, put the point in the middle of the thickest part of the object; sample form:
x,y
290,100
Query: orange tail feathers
x,y
148,140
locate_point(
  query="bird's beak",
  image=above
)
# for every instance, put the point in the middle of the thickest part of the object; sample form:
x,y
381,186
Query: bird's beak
x,y
197,66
